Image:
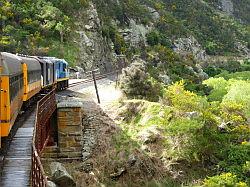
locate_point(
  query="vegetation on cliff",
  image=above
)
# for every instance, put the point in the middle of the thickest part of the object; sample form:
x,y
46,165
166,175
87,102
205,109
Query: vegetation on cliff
x,y
186,119
38,27
196,136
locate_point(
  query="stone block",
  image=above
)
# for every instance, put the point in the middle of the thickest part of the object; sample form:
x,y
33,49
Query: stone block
x,y
70,129
69,104
62,144
70,155
74,144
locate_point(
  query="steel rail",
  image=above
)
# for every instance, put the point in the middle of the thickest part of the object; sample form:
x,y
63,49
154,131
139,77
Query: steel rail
x,y
97,77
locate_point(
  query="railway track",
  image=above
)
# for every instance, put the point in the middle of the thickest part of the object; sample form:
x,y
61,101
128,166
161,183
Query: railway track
x,y
16,151
20,150
99,77
18,123
91,79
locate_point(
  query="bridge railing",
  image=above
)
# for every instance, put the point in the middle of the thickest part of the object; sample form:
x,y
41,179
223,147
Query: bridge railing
x,y
45,109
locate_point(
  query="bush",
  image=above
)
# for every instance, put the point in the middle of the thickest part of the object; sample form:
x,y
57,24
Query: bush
x,y
235,160
219,88
212,71
153,38
244,75
136,83
239,92
182,99
231,66
224,180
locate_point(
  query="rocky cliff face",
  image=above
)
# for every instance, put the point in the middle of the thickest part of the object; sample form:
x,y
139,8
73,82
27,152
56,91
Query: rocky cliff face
x,y
94,50
227,6
235,8
128,30
190,46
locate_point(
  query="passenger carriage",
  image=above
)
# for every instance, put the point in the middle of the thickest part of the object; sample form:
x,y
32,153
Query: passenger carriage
x,y
12,89
21,78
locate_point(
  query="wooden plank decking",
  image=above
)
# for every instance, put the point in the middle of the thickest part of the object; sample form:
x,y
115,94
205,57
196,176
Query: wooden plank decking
x,y
17,162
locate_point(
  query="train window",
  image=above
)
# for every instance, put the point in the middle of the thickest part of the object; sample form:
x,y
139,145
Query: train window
x,y
34,76
64,67
16,84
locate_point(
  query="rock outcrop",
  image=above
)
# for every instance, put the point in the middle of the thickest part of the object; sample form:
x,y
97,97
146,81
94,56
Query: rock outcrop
x,y
190,46
227,6
60,176
135,34
94,50
150,135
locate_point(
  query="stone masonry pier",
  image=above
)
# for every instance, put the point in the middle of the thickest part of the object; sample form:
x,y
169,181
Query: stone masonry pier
x,y
70,128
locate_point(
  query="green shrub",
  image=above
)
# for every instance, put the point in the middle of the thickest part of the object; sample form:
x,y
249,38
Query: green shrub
x,y
234,159
224,180
212,71
232,66
211,48
153,38
219,88
136,83
239,92
182,99
244,75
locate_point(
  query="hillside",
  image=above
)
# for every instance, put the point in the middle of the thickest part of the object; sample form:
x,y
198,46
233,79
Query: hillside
x,y
42,27
182,117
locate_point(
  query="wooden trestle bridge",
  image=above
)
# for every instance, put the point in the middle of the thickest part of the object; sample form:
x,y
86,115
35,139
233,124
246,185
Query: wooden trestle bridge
x,y
22,165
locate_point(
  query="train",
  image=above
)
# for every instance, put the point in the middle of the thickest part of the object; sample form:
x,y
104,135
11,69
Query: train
x,y
22,78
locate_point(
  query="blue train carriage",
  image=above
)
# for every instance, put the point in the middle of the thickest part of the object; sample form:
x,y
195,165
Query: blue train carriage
x,y
62,73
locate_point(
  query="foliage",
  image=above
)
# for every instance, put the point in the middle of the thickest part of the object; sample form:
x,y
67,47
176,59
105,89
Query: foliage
x,y
177,19
236,158
189,129
219,88
32,27
224,179
155,38
231,93
244,75
135,82
212,71
239,92
182,18
68,51
211,48
182,99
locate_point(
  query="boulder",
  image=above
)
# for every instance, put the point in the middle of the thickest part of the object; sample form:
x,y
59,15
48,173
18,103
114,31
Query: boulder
x,y
154,14
60,176
132,160
242,48
118,173
145,148
51,184
135,34
227,6
202,75
150,135
165,79
224,127
192,115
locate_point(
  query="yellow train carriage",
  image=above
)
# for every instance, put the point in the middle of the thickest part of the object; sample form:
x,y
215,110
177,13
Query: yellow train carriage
x,y
11,94
31,77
